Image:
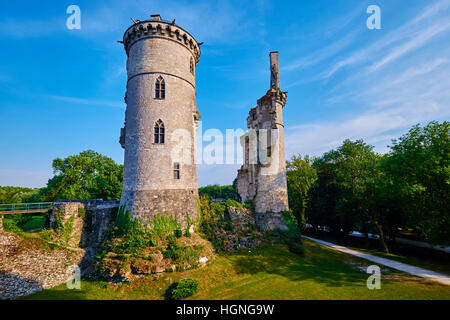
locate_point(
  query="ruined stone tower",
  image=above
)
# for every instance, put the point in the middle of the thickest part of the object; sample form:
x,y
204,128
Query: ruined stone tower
x,y
262,177
160,171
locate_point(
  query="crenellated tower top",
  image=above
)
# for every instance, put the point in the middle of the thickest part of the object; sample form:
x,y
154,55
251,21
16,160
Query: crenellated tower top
x,y
156,27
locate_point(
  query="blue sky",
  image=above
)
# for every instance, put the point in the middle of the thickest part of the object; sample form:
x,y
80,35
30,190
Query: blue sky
x,y
61,91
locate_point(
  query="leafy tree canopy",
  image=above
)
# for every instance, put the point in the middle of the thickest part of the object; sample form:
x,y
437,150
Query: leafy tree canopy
x,y
218,192
88,175
419,166
16,194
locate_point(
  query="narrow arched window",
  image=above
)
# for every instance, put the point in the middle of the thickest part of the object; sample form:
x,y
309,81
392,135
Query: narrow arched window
x,y
159,132
191,67
176,170
160,88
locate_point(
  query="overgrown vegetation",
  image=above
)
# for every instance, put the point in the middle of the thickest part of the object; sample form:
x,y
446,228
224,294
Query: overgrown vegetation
x,y
183,289
182,255
292,237
132,240
63,228
216,223
215,218
25,222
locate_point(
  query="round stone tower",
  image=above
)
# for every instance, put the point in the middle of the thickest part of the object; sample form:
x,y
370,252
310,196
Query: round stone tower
x,y
160,171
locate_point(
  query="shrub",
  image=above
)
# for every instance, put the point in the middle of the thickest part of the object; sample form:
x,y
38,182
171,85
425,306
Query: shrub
x,y
178,233
187,232
293,233
295,247
161,226
182,254
10,225
82,212
46,235
183,289
215,218
133,244
291,237
123,222
173,248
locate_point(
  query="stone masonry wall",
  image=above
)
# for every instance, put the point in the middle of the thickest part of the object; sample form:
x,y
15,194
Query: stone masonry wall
x,y
177,203
262,177
88,229
156,48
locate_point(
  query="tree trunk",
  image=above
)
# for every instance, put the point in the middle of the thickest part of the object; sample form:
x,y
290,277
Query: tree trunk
x,y
381,234
302,222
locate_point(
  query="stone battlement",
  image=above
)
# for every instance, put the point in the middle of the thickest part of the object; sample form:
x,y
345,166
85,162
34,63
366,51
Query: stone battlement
x,y
265,105
158,28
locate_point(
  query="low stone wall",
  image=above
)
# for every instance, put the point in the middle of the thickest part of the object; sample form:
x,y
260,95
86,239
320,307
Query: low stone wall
x,y
269,221
89,220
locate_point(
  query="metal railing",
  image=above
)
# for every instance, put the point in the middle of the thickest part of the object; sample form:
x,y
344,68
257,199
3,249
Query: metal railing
x,y
21,207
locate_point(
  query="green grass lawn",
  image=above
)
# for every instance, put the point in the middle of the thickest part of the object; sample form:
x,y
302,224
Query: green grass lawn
x,y
36,223
271,272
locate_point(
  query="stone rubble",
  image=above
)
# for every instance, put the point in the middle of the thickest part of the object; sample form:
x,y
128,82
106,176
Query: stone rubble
x,y
26,267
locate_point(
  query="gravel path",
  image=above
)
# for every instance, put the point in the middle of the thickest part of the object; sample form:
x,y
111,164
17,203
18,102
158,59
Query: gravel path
x,y
416,271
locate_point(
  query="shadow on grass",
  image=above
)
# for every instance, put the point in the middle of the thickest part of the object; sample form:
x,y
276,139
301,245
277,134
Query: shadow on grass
x,y
61,292
317,264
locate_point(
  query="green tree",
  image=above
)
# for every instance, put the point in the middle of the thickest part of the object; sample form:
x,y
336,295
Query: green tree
x,y
88,175
324,195
300,177
346,194
419,166
16,194
218,192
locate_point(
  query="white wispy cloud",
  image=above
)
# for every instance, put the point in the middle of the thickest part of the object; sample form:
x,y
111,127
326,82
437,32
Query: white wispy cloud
x,y
384,104
421,39
321,54
374,127
415,30
208,20
415,71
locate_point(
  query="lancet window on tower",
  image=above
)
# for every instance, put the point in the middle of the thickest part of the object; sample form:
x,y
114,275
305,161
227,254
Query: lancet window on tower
x,y
160,88
159,132
176,170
